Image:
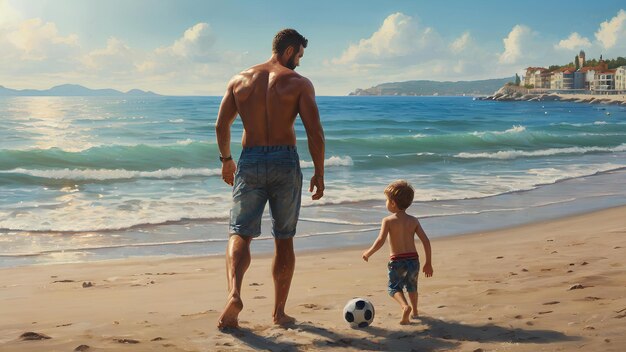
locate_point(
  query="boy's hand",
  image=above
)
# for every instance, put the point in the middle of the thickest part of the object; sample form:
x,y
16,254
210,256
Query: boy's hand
x,y
428,270
365,256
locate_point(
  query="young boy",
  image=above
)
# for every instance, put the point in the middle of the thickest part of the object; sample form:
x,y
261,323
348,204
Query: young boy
x,y
404,262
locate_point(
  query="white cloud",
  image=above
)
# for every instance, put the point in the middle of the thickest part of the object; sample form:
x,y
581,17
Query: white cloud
x,y
38,41
9,16
514,44
399,36
612,31
116,56
461,43
573,42
196,44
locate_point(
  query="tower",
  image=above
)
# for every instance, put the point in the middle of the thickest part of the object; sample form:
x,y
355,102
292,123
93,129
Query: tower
x,y
581,58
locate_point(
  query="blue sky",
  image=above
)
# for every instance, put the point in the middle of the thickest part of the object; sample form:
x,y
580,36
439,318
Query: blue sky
x,y
194,47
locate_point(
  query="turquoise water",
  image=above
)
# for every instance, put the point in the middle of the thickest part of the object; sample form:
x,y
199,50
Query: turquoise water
x,y
86,178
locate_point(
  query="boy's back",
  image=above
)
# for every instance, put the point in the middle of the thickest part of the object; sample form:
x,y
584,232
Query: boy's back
x,y
402,228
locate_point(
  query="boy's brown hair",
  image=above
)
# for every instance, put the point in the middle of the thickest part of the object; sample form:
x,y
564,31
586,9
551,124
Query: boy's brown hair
x,y
401,193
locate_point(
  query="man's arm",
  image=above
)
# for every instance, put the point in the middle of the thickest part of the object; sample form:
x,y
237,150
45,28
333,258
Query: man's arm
x,y
428,268
307,107
379,242
225,118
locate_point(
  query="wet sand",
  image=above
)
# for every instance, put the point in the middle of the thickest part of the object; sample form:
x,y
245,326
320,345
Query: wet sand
x,y
554,285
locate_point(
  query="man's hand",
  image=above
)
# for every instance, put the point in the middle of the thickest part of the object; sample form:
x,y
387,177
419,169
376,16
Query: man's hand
x,y
228,171
317,182
365,256
428,270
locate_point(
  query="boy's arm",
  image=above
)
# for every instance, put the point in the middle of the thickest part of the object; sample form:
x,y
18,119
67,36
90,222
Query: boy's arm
x,y
379,242
428,268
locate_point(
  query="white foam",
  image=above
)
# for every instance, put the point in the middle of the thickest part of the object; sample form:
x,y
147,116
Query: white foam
x,y
513,154
332,161
115,174
513,130
185,142
338,222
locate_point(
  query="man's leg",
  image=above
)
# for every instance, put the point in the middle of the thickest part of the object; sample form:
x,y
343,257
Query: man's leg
x,y
282,269
237,262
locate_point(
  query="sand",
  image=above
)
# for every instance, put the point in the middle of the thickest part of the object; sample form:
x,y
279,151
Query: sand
x,y
597,98
550,286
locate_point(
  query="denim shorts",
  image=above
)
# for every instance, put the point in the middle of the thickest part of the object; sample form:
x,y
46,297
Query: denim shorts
x,y
403,274
267,173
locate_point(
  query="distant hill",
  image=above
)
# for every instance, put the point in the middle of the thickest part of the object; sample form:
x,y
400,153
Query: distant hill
x,y
482,87
73,90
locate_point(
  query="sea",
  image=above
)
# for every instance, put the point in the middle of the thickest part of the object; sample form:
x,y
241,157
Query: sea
x,y
98,178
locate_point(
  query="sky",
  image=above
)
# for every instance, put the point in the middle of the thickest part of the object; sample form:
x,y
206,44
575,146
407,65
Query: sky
x,y
185,47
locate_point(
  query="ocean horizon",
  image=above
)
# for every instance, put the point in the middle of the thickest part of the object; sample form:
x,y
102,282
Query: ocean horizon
x,y
96,178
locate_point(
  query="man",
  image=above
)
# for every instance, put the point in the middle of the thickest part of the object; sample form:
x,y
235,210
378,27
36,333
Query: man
x,y
268,97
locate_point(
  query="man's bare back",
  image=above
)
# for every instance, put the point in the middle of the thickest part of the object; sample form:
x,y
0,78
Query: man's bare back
x,y
266,96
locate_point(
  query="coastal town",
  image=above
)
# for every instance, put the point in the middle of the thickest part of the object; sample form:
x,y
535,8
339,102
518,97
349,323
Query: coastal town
x,y
594,82
578,78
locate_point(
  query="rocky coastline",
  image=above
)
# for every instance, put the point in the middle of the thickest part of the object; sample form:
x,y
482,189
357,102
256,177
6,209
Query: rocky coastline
x,y
514,93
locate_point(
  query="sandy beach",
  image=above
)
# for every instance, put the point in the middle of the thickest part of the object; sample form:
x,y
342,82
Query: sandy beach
x,y
555,285
592,98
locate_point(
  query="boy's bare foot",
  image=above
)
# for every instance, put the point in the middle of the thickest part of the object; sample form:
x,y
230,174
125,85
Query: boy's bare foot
x,y
229,318
405,315
284,319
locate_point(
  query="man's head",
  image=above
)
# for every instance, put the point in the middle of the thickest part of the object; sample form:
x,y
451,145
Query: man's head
x,y
289,45
401,193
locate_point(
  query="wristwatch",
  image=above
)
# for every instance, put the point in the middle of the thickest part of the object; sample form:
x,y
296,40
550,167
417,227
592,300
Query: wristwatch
x,y
226,158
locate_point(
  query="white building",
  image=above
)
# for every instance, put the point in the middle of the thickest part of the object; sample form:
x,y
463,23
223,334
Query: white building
x,y
620,78
604,81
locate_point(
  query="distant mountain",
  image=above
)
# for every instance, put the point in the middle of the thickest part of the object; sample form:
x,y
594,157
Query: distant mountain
x,y
73,90
482,87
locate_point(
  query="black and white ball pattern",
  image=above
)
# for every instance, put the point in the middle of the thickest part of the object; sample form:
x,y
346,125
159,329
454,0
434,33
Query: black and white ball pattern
x,y
359,312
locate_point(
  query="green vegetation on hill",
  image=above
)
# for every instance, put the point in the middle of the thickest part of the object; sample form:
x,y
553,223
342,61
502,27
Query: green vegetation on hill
x,y
612,63
423,87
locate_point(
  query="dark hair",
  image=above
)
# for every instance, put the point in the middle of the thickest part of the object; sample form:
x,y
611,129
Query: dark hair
x,y
286,38
401,193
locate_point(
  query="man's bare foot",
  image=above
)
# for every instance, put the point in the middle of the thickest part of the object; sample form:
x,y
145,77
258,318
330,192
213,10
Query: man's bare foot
x,y
229,318
405,316
284,319
414,315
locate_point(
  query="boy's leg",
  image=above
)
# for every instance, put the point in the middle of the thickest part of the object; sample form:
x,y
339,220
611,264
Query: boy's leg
x,y
282,271
237,262
406,310
413,298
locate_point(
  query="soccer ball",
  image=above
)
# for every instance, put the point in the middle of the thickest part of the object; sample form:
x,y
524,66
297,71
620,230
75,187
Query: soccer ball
x,y
359,312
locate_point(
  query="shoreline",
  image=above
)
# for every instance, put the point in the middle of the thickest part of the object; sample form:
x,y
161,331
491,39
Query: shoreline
x,y
318,230
511,288
513,93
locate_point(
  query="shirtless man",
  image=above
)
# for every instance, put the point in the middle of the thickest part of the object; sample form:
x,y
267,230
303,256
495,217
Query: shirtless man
x,y
268,97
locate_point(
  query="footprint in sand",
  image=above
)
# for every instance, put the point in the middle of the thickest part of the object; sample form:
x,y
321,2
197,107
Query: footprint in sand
x,y
126,341
32,336
577,287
